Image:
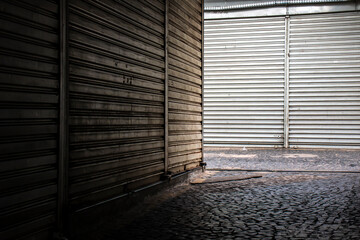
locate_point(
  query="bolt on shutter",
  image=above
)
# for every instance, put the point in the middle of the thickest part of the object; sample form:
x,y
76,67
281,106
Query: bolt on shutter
x,y
325,80
244,82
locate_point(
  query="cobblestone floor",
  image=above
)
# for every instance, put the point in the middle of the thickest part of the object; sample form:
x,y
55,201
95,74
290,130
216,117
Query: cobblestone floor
x,y
276,206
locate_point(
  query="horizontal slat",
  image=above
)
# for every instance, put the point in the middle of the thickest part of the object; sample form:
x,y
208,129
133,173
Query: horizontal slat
x,y
235,121
113,149
250,145
175,106
86,25
343,133
242,126
185,158
100,14
256,139
242,131
243,117
117,176
96,167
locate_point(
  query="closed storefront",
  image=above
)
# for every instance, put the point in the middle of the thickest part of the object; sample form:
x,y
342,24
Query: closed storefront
x,y
100,101
244,81
324,80
286,81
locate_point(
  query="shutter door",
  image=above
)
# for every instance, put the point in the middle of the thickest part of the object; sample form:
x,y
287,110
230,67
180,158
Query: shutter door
x,y
116,59
184,84
29,72
244,82
325,80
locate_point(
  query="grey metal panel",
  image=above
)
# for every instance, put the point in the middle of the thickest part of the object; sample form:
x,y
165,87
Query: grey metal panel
x,y
29,72
325,80
244,82
185,84
116,75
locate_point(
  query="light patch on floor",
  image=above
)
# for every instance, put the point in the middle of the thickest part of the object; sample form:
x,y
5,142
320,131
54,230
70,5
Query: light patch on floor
x,y
296,156
209,174
202,175
238,177
224,155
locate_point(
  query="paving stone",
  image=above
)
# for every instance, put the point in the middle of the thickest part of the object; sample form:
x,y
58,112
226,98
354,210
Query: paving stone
x,y
276,206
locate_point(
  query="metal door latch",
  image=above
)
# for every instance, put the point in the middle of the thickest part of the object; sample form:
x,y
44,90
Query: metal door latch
x,y
203,166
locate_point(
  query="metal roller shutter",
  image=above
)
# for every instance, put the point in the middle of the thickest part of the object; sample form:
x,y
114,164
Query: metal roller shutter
x,y
325,80
116,57
185,83
244,82
29,72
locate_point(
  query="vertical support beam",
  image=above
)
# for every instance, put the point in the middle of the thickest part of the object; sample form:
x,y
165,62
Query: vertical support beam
x,y
286,84
63,123
166,88
202,80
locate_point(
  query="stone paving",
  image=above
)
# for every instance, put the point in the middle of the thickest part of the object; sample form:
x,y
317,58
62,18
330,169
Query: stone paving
x,y
276,206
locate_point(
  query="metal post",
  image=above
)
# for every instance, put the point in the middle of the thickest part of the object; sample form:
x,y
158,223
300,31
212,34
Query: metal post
x,y
63,125
202,84
286,84
166,90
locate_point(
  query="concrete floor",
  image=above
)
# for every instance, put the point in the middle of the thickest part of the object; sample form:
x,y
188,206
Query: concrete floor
x,y
276,206
283,159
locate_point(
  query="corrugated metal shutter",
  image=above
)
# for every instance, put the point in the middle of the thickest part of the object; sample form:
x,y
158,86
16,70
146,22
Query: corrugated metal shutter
x,y
325,80
29,42
184,84
116,59
244,82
